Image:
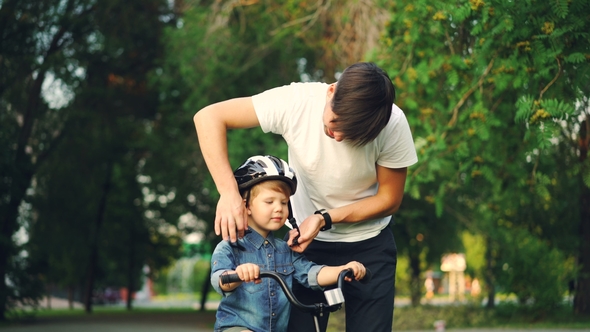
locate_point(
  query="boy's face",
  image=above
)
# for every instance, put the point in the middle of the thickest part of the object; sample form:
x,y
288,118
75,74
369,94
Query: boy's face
x,y
268,210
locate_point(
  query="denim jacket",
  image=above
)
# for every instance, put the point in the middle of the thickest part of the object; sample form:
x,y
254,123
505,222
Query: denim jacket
x,y
263,306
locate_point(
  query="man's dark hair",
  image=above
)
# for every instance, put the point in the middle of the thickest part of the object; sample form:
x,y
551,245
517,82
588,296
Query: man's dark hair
x,y
362,102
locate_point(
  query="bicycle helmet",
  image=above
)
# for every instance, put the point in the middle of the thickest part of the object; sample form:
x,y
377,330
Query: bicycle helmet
x,y
263,168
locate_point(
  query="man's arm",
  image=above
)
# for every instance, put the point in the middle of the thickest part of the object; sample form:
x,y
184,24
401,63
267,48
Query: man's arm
x,y
212,123
385,202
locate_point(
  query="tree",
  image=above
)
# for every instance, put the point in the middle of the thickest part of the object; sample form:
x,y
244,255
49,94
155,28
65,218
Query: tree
x,y
487,87
35,38
100,54
424,237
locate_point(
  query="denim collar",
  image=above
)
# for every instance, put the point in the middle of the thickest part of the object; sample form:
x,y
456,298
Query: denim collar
x,y
257,240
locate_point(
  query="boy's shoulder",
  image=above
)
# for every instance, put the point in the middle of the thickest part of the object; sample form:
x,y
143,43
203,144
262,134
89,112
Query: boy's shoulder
x,y
222,247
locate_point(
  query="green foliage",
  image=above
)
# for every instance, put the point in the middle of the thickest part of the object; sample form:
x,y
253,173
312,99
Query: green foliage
x,y
586,176
27,284
506,316
534,271
186,275
474,254
85,219
423,317
494,92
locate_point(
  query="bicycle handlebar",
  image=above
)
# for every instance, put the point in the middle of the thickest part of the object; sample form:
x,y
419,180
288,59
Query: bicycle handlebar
x,y
349,273
316,308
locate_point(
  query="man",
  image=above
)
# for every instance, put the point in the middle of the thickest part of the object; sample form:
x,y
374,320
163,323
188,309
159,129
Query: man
x,y
350,146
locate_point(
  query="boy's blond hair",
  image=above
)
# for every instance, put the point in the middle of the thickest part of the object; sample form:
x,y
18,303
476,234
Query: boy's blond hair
x,y
275,185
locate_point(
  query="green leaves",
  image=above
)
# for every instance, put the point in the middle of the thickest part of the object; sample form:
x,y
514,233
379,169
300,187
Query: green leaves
x,y
560,7
504,81
576,58
586,173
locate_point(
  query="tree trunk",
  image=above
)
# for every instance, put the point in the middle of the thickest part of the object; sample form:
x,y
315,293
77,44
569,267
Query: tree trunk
x,y
205,290
489,274
582,292
415,284
49,288
130,266
19,177
93,259
20,180
71,297
7,229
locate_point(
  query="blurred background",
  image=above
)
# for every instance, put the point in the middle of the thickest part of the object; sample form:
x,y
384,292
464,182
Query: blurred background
x,y
105,197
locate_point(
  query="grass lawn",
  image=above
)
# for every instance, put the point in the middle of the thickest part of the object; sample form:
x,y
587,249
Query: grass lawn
x,y
171,317
506,316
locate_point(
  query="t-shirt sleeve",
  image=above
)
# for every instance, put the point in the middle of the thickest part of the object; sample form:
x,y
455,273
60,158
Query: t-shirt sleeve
x,y
396,142
272,107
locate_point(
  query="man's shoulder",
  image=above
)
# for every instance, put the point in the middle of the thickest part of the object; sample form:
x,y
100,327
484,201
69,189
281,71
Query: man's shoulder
x,y
398,117
303,88
311,87
396,111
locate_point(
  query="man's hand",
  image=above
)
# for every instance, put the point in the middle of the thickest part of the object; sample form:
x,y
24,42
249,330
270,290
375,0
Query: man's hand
x,y
308,230
231,218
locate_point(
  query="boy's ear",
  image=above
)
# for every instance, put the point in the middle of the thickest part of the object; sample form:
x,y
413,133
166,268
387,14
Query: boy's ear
x,y
247,207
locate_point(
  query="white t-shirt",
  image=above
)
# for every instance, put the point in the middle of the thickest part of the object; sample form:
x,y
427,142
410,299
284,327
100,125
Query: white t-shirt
x,y
331,174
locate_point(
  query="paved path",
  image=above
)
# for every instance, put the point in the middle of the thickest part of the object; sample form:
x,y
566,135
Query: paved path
x,y
102,327
140,322
176,323
148,327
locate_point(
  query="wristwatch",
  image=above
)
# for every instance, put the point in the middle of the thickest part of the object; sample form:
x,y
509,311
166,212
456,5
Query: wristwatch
x,y
327,219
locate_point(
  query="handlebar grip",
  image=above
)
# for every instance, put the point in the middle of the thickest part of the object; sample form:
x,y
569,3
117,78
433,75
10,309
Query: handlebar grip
x,y
368,276
229,278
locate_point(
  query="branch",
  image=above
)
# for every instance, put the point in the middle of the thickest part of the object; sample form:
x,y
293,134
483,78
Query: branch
x,y
407,61
553,80
468,222
450,42
469,92
311,18
424,164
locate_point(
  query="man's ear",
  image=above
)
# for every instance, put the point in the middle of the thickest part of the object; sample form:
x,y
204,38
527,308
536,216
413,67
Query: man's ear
x,y
331,90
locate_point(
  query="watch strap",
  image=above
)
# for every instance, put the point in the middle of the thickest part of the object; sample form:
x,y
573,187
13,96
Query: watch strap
x,y
327,219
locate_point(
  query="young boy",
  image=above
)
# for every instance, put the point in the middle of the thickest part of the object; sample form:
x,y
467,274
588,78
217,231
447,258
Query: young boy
x,y
266,183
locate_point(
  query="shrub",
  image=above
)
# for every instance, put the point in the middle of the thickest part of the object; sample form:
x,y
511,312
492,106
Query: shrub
x,y
536,273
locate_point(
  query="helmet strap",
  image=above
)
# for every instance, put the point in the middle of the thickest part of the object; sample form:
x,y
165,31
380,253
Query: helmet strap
x,y
291,219
248,197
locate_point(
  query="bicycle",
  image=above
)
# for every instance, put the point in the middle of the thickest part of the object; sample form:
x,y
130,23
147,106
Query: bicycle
x,y
334,297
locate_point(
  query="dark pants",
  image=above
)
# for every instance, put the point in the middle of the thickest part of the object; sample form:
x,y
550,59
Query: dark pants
x,y
369,307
